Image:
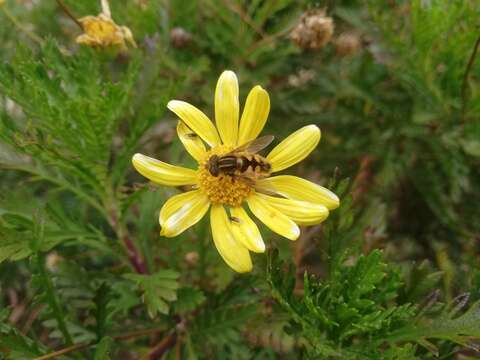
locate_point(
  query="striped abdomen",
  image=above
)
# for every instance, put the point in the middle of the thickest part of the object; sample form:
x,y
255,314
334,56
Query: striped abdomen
x,y
251,165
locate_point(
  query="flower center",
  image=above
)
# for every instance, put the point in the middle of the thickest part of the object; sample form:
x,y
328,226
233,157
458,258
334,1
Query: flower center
x,y
222,189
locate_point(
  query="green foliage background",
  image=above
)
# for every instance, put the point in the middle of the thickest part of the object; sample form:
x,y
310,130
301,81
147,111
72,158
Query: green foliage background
x,y
392,274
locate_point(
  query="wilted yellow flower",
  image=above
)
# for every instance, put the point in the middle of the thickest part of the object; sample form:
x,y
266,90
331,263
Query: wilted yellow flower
x,y
101,31
281,202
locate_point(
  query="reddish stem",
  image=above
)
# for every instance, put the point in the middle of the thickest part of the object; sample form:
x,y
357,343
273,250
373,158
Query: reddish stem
x,y
133,254
161,348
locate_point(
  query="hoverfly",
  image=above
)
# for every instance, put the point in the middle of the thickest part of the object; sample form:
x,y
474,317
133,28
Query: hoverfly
x,y
243,162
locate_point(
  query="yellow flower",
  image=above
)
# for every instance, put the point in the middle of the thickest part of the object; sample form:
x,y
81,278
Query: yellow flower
x,y
295,201
101,31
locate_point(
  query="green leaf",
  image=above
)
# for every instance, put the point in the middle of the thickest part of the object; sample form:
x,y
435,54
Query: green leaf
x,y
103,349
458,329
158,289
102,313
188,299
16,346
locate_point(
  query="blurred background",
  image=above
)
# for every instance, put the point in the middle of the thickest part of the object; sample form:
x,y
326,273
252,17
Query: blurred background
x,y
393,86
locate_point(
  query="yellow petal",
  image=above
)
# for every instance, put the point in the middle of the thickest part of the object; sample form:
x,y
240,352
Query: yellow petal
x,y
294,148
296,188
163,173
302,212
272,218
195,120
234,253
182,211
192,142
254,115
226,107
245,230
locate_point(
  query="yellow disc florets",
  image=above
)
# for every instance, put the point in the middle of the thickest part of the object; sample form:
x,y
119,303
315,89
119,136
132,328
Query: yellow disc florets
x,y
222,189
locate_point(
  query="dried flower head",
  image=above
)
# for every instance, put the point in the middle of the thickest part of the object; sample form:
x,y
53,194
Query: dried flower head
x,y
179,37
347,44
102,31
301,78
191,258
314,30
52,260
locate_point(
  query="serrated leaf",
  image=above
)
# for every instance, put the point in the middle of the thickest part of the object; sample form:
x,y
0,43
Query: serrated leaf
x,y
103,349
16,346
188,299
157,289
101,312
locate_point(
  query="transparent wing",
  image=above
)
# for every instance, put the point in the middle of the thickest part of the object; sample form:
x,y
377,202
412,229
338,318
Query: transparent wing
x,y
267,189
264,188
255,145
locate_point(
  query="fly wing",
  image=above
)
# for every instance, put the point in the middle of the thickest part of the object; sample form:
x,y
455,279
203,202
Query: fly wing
x,y
255,145
266,188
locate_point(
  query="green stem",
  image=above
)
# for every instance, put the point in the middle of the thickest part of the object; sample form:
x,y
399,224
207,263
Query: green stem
x,y
471,60
202,252
15,22
52,299
47,286
63,185
45,279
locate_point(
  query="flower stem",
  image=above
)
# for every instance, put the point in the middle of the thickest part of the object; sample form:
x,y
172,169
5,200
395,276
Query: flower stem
x,y
161,348
471,60
106,8
67,12
115,220
15,22
136,259
133,334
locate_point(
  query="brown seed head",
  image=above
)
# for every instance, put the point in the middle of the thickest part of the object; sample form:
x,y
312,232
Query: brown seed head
x,y
347,44
191,258
314,30
179,37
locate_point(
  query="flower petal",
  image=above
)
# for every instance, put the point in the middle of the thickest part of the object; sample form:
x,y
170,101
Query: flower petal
x,y
234,253
294,148
296,188
272,218
245,230
182,211
195,120
254,115
226,107
302,212
162,173
193,144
